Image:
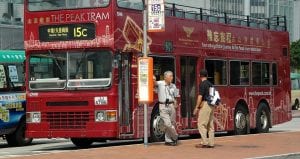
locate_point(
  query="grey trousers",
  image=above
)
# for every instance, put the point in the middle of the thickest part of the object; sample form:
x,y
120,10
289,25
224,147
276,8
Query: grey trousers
x,y
168,114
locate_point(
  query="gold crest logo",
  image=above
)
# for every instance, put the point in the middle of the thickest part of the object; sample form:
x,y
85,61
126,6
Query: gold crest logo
x,y
188,31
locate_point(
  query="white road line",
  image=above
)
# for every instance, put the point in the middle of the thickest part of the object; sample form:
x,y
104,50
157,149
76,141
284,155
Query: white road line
x,y
281,155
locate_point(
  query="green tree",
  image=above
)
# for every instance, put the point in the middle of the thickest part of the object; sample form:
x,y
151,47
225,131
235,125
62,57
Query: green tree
x,y
295,54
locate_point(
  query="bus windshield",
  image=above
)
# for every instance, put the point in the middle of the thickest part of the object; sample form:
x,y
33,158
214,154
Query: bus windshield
x,y
77,69
44,5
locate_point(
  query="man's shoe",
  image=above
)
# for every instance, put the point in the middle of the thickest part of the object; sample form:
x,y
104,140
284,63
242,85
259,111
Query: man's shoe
x,y
170,144
210,146
202,146
176,142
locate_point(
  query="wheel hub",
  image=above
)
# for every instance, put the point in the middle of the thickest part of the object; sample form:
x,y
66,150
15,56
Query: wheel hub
x,y
263,120
240,120
158,126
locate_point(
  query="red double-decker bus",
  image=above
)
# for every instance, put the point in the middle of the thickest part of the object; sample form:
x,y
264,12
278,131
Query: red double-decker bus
x,y
82,68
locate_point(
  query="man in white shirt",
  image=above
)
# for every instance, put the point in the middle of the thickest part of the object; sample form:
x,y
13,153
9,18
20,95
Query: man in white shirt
x,y
167,93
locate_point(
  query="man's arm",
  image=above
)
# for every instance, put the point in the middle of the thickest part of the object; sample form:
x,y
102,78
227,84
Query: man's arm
x,y
198,104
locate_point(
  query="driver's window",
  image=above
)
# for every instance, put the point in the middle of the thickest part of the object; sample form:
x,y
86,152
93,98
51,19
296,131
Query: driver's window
x,y
3,82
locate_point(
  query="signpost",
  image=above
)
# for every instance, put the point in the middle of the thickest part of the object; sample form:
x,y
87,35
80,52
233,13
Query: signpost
x,y
156,16
152,22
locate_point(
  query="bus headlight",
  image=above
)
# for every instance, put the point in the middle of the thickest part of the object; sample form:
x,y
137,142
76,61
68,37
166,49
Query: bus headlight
x,y
105,116
100,116
33,117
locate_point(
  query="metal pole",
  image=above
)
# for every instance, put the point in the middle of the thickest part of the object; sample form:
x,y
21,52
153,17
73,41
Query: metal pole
x,y
145,54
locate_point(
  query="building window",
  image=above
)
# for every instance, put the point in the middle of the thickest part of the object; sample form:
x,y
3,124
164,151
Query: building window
x,y
239,73
217,71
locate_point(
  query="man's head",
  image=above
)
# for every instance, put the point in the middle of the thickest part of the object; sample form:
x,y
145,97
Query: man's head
x,y
203,74
168,76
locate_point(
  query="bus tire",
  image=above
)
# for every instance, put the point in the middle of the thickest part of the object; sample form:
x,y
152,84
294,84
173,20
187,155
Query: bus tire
x,y
157,133
262,119
82,142
240,121
18,137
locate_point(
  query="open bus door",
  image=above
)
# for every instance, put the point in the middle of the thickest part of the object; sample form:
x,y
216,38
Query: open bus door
x,y
125,94
188,67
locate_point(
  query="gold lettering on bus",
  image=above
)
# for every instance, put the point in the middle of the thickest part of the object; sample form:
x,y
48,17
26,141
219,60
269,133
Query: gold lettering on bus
x,y
216,37
209,35
229,38
29,21
35,21
47,19
42,20
222,37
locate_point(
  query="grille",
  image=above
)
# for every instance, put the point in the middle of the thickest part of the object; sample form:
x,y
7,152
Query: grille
x,y
67,120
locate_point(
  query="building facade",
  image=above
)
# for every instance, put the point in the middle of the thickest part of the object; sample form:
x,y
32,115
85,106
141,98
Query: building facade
x,y
296,21
11,24
260,9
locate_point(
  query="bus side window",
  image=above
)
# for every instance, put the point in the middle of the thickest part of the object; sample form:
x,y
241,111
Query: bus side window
x,y
3,82
239,73
217,71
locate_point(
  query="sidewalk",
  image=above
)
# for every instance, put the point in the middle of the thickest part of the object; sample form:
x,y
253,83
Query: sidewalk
x,y
232,147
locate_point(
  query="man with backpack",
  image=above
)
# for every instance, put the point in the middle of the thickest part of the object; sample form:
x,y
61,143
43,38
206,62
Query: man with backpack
x,y
205,111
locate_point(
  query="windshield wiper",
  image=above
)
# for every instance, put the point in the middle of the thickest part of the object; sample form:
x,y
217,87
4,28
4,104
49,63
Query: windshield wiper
x,y
55,60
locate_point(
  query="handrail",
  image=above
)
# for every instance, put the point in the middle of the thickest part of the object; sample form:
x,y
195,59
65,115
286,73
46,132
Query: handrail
x,y
276,22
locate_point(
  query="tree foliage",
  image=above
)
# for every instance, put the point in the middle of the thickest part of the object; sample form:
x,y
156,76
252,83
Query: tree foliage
x,y
295,54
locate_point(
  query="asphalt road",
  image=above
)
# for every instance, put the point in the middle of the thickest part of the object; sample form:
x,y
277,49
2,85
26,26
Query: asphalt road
x,y
47,146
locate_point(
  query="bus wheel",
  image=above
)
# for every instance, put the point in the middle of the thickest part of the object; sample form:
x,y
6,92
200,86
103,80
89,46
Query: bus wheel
x,y
240,122
262,119
18,137
157,127
82,142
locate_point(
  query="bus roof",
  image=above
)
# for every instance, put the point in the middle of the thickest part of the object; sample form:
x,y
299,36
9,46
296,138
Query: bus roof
x,y
12,56
295,75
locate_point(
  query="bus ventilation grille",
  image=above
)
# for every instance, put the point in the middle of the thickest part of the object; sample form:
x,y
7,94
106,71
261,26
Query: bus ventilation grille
x,y
67,120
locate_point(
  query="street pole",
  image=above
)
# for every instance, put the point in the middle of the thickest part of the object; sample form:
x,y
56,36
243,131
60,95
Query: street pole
x,y
145,54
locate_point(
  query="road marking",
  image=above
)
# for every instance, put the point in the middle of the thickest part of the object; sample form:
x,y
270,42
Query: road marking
x,y
281,155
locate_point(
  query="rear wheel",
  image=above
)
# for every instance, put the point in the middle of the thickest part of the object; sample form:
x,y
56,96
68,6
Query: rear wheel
x,y
240,121
262,119
82,142
18,137
157,127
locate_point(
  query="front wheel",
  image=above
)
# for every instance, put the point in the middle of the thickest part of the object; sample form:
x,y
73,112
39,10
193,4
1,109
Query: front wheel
x,y
18,137
82,142
262,119
240,121
157,128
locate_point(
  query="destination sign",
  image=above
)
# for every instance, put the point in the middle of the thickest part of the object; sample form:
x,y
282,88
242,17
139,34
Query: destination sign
x,y
67,32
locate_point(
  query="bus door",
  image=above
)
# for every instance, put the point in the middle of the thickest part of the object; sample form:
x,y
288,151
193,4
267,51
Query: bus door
x,y
125,93
188,89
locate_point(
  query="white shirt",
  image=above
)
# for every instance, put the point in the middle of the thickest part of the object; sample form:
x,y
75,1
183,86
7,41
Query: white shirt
x,y
165,91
